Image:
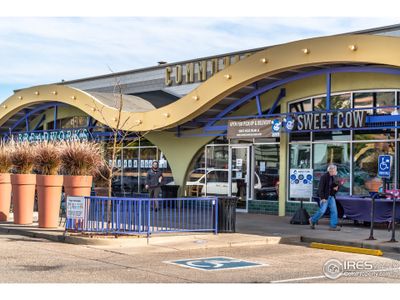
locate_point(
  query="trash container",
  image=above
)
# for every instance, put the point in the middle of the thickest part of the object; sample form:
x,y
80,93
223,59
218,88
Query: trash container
x,y
169,191
227,214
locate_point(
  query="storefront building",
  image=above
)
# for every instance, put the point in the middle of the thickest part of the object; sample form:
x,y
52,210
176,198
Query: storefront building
x,y
261,124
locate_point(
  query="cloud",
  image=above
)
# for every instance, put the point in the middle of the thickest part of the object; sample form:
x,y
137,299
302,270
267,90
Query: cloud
x,y
43,50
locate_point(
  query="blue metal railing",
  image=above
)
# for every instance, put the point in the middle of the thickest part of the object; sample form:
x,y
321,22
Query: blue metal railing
x,y
132,216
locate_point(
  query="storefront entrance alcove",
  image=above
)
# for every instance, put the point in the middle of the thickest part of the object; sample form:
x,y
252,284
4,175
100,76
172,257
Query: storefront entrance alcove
x,y
249,171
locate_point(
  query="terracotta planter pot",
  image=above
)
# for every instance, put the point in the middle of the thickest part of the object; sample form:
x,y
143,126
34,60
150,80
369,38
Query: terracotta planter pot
x,y
5,196
77,185
49,189
101,191
23,197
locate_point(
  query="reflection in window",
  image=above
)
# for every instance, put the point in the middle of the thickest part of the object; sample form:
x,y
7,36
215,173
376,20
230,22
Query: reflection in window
x,y
131,166
217,157
266,177
375,99
319,103
341,101
365,167
300,106
377,134
69,123
338,154
299,158
332,135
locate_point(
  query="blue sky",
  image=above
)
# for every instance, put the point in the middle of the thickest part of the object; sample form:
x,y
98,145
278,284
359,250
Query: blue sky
x,y
40,50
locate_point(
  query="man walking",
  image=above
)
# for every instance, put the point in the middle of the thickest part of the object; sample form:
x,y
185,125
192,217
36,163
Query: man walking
x,y
326,192
153,182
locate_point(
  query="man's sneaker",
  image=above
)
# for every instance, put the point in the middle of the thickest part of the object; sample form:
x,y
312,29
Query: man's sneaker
x,y
312,225
334,228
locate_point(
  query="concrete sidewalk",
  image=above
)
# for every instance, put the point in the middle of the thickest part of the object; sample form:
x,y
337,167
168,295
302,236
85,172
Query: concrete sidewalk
x,y
166,241
251,230
350,235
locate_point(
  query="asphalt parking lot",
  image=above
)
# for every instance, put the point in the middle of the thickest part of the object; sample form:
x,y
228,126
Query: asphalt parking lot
x,y
31,260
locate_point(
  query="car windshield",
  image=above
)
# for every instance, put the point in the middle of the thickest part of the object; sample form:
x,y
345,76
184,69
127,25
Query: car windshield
x,y
196,174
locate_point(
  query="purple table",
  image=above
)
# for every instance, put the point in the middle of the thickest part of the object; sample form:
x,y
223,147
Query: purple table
x,y
359,209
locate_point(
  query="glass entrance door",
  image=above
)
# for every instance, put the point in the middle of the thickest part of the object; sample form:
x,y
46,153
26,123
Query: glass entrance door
x,y
239,175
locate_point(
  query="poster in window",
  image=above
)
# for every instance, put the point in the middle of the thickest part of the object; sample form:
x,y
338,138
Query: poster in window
x,y
301,183
239,162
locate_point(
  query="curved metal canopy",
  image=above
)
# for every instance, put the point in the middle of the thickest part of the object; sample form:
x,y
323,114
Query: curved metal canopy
x,y
271,64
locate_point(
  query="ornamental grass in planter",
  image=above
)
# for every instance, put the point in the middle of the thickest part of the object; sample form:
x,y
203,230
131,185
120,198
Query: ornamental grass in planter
x,y
49,183
23,182
5,181
79,161
101,179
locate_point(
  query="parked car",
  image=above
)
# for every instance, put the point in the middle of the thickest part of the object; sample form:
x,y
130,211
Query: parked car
x,y
127,185
217,180
267,193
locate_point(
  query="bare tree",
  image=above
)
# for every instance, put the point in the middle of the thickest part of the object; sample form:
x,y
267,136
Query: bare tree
x,y
118,137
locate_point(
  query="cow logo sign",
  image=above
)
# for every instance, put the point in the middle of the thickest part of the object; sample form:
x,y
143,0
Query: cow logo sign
x,y
215,263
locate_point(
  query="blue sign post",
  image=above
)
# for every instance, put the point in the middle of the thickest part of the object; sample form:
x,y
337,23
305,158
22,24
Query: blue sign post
x,y
384,165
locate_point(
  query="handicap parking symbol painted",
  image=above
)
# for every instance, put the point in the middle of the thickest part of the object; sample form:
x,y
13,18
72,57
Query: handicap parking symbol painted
x,y
215,263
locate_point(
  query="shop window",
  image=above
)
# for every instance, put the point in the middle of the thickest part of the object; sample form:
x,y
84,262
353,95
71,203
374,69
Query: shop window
x,y
341,101
217,158
319,103
300,137
300,106
217,176
74,122
332,153
332,135
375,99
68,123
133,160
299,158
365,167
266,177
374,135
128,181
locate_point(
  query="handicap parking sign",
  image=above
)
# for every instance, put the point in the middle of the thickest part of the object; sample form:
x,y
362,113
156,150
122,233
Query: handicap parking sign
x,y
215,263
384,165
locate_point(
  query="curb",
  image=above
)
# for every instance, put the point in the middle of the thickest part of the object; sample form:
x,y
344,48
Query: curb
x,y
57,238
140,241
348,249
359,244
157,240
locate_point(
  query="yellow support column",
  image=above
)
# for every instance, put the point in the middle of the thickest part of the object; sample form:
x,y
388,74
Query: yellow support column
x,y
283,146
